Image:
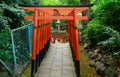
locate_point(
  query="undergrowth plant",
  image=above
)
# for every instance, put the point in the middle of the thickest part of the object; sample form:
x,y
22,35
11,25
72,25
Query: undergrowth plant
x,y
103,30
112,44
94,33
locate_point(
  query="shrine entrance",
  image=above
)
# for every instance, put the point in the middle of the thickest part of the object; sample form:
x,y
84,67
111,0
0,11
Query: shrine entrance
x,y
43,15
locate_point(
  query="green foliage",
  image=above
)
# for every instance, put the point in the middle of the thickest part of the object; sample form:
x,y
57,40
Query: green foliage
x,y
5,46
73,2
4,38
3,22
51,2
60,2
16,14
8,1
105,13
112,44
26,1
64,2
5,54
54,24
12,15
95,33
63,24
108,12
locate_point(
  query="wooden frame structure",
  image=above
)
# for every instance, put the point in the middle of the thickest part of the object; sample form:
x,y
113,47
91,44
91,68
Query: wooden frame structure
x,y
43,15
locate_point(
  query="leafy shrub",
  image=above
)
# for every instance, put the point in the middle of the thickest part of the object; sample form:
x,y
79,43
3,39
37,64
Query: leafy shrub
x,y
13,14
108,12
28,1
8,1
3,22
5,44
95,33
112,44
16,14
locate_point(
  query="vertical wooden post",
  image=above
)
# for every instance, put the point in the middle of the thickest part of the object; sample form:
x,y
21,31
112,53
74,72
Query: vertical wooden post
x,y
38,45
68,29
39,35
40,53
34,46
42,37
76,44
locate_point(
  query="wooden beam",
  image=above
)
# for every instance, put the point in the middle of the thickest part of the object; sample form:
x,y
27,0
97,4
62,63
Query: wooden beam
x,y
63,6
56,17
58,8
28,17
28,8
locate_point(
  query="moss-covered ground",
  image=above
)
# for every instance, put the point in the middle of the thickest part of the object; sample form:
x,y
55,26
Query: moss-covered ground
x,y
27,71
85,69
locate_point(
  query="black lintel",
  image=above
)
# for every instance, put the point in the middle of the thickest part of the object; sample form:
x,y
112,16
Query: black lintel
x,y
48,6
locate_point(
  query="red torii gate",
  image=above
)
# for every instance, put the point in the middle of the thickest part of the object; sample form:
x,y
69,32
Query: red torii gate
x,y
60,36
43,15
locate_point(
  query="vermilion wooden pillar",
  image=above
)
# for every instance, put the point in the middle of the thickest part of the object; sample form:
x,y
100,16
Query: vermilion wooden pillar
x,y
34,46
77,44
40,48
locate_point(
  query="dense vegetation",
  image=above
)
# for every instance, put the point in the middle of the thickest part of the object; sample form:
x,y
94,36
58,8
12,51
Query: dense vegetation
x,y
11,17
103,30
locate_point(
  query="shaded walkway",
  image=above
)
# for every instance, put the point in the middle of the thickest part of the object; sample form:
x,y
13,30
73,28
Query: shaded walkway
x,y
57,62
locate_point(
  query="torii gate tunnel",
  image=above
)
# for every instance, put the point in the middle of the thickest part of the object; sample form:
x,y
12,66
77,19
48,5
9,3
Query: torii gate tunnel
x,y
43,15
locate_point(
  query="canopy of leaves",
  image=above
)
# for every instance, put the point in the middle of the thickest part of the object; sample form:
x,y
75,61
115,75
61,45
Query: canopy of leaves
x,y
60,2
108,12
95,32
104,26
112,44
51,2
11,16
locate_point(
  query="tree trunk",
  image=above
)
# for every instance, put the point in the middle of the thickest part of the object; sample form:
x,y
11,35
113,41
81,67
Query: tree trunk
x,y
85,13
84,23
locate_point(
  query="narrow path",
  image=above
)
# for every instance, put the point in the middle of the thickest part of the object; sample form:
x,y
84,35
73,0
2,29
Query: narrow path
x,y
57,62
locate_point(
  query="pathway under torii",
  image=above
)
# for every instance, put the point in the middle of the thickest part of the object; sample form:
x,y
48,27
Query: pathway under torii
x,y
43,15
